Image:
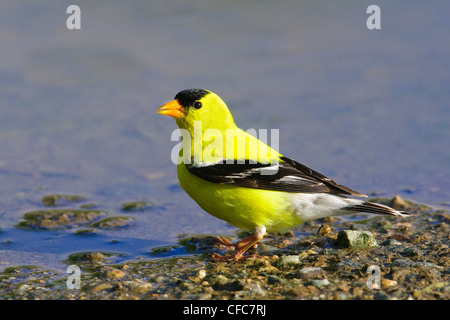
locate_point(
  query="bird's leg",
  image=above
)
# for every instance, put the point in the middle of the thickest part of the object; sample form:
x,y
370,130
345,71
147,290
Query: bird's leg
x,y
243,245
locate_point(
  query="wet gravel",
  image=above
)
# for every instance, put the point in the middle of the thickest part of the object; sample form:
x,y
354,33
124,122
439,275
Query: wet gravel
x,y
394,258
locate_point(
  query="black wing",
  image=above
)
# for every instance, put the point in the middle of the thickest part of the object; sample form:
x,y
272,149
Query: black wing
x,y
288,175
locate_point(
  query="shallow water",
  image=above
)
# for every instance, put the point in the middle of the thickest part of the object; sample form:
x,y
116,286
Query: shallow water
x,y
368,108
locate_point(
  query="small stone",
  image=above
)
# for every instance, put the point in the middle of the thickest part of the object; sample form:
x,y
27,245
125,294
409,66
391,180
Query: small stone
x,y
324,230
356,239
87,257
222,284
274,279
380,296
398,203
385,283
318,283
303,255
137,206
220,280
24,287
185,285
290,260
201,274
267,269
114,223
101,287
310,272
399,237
138,286
205,296
391,242
115,273
256,261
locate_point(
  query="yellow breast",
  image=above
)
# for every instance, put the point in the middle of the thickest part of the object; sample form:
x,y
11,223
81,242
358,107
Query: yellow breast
x,y
244,208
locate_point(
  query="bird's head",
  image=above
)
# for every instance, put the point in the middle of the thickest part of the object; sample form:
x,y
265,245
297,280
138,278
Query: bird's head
x,y
193,105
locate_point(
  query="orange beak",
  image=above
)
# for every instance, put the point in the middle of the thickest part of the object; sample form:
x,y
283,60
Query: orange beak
x,y
172,108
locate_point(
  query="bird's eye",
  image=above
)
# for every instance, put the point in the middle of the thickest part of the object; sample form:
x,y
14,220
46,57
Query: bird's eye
x,y
197,104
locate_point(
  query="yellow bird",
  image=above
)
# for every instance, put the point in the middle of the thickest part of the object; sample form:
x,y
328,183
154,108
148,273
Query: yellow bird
x,y
237,178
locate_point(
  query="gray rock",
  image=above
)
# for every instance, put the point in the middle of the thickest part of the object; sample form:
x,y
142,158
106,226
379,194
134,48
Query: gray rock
x,y
290,260
310,272
320,283
223,283
356,239
391,242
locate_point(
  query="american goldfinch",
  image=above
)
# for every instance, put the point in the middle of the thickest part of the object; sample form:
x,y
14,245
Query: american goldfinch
x,y
237,178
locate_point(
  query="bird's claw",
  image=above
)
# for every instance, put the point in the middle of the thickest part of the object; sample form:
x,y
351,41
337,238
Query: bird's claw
x,y
224,243
241,246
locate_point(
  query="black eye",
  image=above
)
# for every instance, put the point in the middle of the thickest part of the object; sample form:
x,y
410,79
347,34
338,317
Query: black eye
x,y
197,105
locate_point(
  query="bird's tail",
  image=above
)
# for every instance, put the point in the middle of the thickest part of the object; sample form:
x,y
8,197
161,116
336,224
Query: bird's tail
x,y
371,207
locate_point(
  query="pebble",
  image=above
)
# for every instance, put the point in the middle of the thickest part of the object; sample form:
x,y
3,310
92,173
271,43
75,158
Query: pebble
x,y
385,283
201,273
310,272
138,286
324,230
137,206
356,239
398,203
274,279
101,286
318,283
391,242
198,276
235,285
303,255
185,285
24,287
88,257
114,223
380,296
115,274
289,260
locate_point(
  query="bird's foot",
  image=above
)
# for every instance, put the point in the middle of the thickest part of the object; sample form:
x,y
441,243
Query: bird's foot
x,y
241,246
